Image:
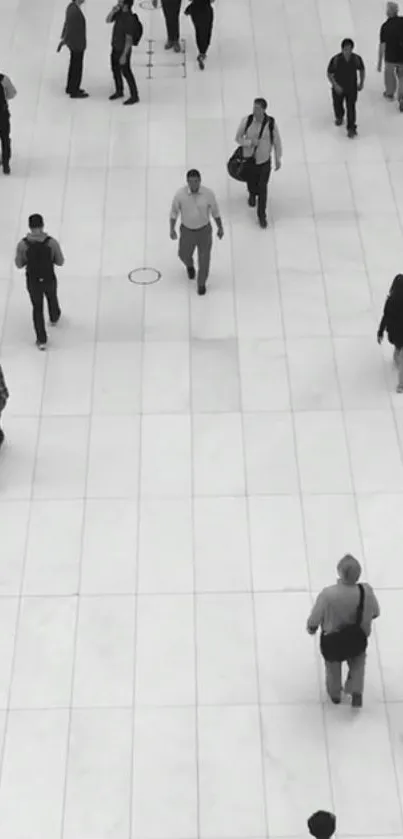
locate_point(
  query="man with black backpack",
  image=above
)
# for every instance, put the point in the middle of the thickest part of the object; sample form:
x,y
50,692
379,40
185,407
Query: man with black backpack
x,y
7,92
258,135
127,32
38,253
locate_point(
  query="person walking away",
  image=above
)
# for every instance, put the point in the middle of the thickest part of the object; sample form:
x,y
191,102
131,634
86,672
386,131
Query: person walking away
x,y
258,135
4,394
342,73
74,36
195,204
7,92
38,253
171,10
392,322
391,53
124,23
202,16
322,824
335,609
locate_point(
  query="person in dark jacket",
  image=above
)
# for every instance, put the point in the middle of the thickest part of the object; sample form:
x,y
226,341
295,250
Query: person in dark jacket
x,y
7,92
392,322
202,17
38,253
390,53
4,394
122,42
342,73
74,36
171,10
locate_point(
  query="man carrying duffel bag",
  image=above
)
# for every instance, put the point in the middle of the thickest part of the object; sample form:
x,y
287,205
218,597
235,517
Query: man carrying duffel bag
x,y
345,612
257,137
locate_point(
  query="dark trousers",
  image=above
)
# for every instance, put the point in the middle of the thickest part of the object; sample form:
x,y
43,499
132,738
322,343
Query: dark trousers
x,y
348,101
258,179
75,73
171,10
5,139
202,240
38,290
123,71
203,24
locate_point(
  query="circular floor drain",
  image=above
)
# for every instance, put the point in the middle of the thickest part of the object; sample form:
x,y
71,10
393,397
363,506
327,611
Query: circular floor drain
x,y
144,276
148,5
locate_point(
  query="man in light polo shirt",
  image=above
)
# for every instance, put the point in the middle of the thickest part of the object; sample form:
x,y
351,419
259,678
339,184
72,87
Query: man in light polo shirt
x,y
195,204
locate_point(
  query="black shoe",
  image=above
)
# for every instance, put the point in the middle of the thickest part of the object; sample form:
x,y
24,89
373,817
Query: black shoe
x,y
6,168
56,320
115,95
41,345
388,96
81,94
338,121
336,700
263,223
132,100
168,45
201,289
191,272
352,132
251,200
200,60
176,47
356,700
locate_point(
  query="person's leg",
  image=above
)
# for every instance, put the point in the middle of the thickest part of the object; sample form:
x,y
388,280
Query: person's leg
x,y
50,290
351,100
399,74
399,365
79,59
252,184
5,140
355,678
264,175
204,245
70,74
127,73
389,77
187,244
171,11
36,293
204,26
333,680
117,73
338,106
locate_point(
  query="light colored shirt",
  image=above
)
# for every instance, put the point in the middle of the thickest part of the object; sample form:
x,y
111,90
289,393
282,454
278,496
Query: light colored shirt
x,y
9,88
195,208
249,140
336,606
21,252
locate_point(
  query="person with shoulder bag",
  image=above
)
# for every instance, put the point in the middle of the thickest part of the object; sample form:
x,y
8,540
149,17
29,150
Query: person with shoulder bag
x,y
126,33
257,137
345,612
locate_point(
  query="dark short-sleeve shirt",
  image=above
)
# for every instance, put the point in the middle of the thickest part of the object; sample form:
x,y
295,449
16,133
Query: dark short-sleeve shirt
x,y
391,35
345,72
122,26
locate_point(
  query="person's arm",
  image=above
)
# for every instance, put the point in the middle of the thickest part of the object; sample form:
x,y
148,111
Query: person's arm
x,y
331,71
174,214
110,18
382,325
21,255
9,88
215,212
376,608
361,73
240,134
127,48
316,617
381,56
277,146
57,254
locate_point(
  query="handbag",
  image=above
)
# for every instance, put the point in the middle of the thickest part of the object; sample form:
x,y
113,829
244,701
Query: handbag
x,y
238,166
348,642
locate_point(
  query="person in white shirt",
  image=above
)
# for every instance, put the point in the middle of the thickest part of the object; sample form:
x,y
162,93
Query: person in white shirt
x,y
195,204
7,92
259,136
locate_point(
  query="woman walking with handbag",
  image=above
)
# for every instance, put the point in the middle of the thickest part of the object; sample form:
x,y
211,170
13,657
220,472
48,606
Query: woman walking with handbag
x,y
345,612
202,17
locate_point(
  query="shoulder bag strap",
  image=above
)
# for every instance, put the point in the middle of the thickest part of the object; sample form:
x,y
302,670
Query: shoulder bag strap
x,y
248,123
360,609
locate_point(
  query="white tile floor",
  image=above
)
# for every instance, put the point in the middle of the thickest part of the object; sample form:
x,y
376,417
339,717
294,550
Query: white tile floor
x,y
182,474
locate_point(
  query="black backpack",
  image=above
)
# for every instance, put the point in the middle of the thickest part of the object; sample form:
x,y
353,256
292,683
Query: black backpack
x,y
39,260
3,100
137,29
